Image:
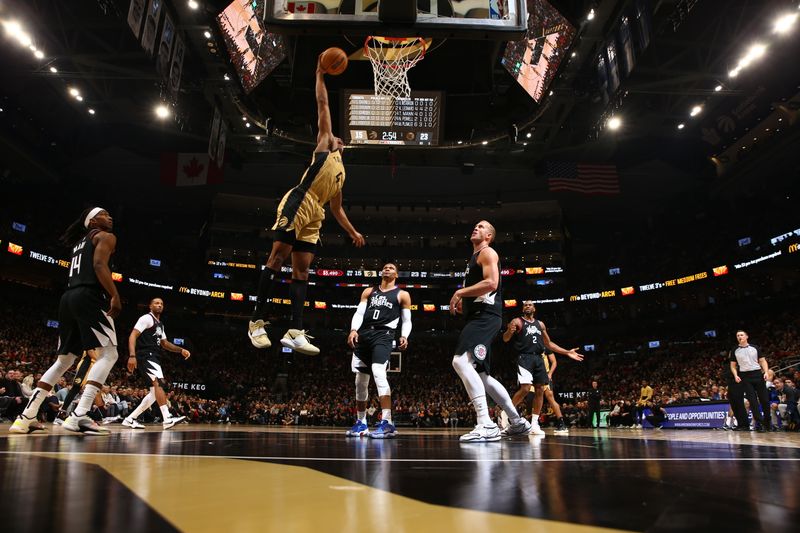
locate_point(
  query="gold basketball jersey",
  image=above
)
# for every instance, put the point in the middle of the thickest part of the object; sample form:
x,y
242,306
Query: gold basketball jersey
x,y
329,179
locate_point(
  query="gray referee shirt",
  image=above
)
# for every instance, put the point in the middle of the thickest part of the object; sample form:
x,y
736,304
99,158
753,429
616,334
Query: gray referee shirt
x,y
746,357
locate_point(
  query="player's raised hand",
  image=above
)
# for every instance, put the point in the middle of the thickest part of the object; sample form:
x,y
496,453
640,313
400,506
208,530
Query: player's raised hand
x,y
573,354
512,326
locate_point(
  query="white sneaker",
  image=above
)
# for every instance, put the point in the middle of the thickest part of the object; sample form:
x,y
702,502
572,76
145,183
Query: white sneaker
x,y
537,430
522,427
297,340
258,335
24,426
171,421
482,433
83,424
133,424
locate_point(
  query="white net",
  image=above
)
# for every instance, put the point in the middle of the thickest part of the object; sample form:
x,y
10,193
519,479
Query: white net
x,y
392,58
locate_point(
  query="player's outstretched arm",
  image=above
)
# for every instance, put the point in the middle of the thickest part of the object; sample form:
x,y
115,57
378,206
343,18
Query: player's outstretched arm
x,y
550,345
341,217
324,126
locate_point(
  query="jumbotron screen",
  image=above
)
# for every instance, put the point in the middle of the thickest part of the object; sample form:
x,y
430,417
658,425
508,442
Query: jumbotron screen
x,y
254,51
370,119
534,60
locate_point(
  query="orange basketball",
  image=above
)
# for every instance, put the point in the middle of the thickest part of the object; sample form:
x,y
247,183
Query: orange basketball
x,y
333,61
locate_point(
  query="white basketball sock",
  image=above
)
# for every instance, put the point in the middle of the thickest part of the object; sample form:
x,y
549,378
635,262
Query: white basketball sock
x,y
165,414
362,416
386,414
87,399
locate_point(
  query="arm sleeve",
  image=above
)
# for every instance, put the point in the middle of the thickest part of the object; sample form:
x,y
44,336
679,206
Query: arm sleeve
x,y
358,316
144,322
405,329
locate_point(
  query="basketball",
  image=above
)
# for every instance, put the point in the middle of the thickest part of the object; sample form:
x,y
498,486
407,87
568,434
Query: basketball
x,y
333,61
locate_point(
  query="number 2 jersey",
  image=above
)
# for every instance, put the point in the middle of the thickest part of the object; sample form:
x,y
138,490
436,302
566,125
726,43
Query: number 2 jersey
x,y
529,338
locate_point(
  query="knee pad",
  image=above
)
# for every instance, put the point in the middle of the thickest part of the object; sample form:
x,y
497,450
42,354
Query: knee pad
x,y
381,383
62,364
106,357
464,367
362,387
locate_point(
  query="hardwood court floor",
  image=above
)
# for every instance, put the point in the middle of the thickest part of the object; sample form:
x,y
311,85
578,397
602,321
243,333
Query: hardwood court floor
x,y
252,478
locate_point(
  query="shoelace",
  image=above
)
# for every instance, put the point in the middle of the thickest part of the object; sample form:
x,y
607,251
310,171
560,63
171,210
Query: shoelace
x,y
306,335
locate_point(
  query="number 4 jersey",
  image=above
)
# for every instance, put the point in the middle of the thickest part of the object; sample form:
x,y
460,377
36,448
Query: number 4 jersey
x,y
81,267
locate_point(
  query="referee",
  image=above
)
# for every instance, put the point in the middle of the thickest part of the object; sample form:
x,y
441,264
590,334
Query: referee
x,y
750,369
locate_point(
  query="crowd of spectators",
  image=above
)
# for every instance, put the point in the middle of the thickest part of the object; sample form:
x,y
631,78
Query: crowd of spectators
x,y
226,380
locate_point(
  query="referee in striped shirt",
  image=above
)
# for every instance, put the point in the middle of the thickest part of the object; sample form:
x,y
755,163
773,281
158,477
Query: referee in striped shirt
x,y
750,369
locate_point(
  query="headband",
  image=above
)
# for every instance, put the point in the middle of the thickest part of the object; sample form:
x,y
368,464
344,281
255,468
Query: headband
x,y
93,213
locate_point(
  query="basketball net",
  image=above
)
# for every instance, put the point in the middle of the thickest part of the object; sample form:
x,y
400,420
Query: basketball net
x,y
392,58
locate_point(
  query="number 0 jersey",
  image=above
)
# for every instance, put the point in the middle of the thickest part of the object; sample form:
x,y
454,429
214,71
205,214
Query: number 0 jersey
x,y
383,309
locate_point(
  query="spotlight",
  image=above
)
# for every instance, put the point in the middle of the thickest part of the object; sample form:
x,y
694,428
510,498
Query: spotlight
x,y
574,54
460,142
79,98
161,111
484,143
784,23
207,34
244,118
718,88
54,70
590,16
614,123
193,5
91,111
227,78
246,124
258,137
681,126
733,73
695,111
74,92
38,54
528,135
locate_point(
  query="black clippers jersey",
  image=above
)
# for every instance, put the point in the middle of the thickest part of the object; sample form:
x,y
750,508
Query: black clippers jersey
x,y
383,309
81,267
529,339
150,339
491,302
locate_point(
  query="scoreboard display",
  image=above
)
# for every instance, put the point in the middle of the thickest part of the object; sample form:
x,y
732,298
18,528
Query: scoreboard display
x,y
383,120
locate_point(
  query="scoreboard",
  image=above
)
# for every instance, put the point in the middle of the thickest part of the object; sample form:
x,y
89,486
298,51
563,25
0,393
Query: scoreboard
x,y
383,120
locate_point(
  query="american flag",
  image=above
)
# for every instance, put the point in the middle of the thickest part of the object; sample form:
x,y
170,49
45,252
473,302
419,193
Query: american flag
x,y
583,178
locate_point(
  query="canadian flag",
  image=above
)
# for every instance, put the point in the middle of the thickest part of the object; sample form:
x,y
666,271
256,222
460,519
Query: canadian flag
x,y
302,7
186,170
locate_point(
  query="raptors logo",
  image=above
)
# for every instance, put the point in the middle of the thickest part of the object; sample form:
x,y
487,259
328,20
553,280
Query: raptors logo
x,y
479,352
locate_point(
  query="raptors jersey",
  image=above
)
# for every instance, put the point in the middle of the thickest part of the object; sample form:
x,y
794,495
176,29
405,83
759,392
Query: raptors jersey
x,y
529,338
325,176
383,309
81,267
490,302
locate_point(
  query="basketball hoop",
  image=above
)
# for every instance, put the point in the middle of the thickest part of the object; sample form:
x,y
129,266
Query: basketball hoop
x,y
392,58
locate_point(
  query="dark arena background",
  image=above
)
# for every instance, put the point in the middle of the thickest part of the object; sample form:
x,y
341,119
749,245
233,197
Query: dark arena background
x,y
638,160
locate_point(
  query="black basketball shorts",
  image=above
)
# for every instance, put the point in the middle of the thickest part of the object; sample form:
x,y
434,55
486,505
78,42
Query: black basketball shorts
x,y
149,365
476,338
82,321
374,347
532,369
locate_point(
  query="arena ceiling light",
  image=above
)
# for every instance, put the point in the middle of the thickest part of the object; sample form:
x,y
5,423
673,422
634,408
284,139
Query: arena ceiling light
x,y
681,126
74,92
718,88
161,111
784,23
696,110
91,111
207,34
590,16
193,5
15,30
54,70
614,123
